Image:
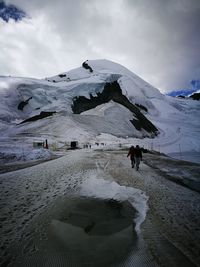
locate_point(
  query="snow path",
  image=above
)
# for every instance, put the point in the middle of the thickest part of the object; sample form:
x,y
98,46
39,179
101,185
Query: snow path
x,y
174,213
27,193
172,219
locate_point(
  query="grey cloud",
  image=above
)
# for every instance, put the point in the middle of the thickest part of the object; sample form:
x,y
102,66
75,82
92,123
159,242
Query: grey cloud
x,y
169,32
158,40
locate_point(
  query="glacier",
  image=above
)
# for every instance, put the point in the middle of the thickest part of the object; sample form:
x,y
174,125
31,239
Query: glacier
x,y
177,120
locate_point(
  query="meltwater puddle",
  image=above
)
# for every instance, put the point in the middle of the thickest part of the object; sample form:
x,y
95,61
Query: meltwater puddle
x,y
85,231
94,232
103,189
97,227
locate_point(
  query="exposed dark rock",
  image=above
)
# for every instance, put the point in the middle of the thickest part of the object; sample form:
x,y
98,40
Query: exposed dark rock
x,y
86,66
112,91
23,103
141,107
62,75
43,114
195,96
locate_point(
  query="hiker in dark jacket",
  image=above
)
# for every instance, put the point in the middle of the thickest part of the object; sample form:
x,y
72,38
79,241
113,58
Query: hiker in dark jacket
x,y
131,153
138,156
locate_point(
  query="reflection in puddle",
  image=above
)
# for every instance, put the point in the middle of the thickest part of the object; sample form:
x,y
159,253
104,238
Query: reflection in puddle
x,y
83,232
94,232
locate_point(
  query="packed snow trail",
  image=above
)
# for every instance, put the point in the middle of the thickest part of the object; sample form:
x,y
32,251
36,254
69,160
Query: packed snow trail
x,y
172,224
27,193
30,199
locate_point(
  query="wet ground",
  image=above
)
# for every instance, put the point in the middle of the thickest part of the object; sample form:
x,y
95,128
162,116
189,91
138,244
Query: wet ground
x,y
14,166
172,226
85,232
182,172
42,223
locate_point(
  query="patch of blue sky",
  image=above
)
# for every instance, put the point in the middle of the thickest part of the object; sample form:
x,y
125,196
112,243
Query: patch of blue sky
x,y
181,92
186,92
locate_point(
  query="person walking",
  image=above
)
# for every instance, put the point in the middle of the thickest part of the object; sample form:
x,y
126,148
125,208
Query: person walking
x,y
131,153
138,156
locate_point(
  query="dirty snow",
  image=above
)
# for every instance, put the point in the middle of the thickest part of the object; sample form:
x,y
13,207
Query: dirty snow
x,y
28,195
25,194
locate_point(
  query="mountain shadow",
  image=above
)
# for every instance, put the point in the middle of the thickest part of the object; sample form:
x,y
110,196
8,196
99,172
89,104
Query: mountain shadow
x,y
112,91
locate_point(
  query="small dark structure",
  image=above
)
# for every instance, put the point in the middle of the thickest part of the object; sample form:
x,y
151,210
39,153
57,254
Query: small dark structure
x,y
46,144
41,144
38,144
74,144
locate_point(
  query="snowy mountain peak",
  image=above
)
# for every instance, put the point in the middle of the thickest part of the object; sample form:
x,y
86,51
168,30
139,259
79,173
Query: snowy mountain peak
x,y
105,71
66,107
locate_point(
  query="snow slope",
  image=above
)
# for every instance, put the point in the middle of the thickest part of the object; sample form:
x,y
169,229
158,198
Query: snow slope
x,y
176,119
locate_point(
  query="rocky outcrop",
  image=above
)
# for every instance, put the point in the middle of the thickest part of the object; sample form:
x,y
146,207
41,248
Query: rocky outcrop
x,y
86,66
112,91
62,75
141,107
42,115
22,104
195,96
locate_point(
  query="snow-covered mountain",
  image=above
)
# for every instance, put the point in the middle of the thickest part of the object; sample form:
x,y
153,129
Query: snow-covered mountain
x,y
100,102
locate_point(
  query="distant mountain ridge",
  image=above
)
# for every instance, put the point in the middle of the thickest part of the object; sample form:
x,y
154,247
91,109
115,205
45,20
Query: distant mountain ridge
x,y
186,92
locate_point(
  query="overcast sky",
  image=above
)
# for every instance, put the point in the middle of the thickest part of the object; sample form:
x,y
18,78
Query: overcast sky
x,y
159,40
